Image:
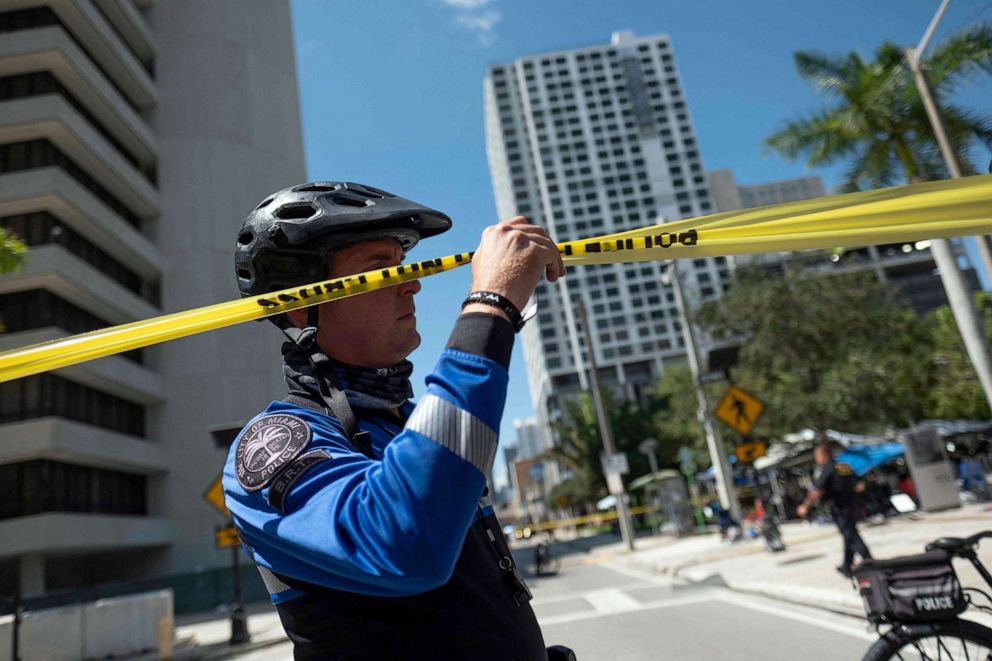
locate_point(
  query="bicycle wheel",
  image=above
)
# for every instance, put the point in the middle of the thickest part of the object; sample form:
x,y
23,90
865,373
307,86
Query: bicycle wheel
x,y
953,640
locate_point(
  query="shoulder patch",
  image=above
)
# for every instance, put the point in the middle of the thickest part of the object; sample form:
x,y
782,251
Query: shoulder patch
x,y
266,446
288,477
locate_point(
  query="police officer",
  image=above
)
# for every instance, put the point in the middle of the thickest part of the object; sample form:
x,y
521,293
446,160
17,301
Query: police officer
x,y
836,484
364,513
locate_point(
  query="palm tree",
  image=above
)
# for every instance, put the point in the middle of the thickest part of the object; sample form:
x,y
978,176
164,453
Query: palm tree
x,y
579,448
580,443
876,120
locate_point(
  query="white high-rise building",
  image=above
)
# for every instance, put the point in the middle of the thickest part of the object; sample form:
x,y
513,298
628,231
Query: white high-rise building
x,y
134,138
588,142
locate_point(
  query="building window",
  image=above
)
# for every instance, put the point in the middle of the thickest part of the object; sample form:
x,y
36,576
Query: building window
x,y
45,395
42,228
17,156
40,17
34,487
40,308
43,82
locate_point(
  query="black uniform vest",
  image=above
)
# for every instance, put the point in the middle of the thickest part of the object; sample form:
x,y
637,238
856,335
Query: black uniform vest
x,y
472,616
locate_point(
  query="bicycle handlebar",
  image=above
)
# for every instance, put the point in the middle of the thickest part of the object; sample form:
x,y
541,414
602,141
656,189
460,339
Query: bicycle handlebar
x,y
971,541
955,545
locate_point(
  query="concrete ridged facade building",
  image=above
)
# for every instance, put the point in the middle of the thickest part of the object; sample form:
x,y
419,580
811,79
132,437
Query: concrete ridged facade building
x,y
134,137
588,142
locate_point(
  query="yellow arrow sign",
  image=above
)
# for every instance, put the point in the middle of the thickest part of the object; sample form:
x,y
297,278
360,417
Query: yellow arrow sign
x,y
747,452
215,496
227,537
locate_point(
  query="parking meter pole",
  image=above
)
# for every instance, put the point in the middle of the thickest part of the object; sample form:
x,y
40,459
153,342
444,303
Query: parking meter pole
x,y
724,481
239,620
623,515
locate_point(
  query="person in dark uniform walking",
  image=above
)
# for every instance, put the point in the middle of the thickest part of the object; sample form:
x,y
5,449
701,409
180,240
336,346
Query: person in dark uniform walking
x,y
836,484
367,515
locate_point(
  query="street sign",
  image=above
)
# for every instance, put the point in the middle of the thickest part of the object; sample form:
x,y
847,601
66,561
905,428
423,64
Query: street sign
x,y
226,537
712,377
739,409
215,496
748,452
615,463
613,483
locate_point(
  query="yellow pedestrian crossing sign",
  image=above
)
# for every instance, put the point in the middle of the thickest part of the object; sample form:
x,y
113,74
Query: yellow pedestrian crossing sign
x,y
739,409
215,496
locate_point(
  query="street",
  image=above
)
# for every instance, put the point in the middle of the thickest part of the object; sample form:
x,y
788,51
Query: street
x,y
606,611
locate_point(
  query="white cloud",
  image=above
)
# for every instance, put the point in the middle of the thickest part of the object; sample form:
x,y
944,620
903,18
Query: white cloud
x,y
482,23
466,4
472,16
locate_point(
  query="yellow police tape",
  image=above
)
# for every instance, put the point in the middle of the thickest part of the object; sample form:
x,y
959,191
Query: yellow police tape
x,y
598,518
914,212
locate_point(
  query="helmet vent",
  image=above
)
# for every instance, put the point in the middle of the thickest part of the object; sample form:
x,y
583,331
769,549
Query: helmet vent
x,y
316,188
295,211
350,199
266,202
245,237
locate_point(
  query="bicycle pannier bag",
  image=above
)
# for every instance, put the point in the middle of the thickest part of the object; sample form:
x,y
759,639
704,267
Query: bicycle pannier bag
x,y
918,588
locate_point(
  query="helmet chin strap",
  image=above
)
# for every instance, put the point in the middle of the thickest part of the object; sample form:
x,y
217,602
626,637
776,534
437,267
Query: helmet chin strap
x,y
334,399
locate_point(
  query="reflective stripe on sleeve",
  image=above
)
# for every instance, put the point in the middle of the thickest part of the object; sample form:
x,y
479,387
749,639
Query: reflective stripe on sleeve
x,y
272,582
455,429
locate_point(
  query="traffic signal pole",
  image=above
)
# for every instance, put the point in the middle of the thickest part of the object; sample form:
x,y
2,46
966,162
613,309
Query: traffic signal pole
x,y
958,295
714,440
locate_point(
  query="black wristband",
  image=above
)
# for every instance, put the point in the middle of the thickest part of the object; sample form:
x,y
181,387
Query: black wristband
x,y
495,300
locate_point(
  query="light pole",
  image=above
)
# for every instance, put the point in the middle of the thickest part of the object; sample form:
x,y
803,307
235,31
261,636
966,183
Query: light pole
x,y
962,305
626,527
648,447
714,440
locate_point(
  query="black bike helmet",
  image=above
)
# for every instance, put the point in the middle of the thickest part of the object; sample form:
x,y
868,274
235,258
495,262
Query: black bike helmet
x,y
287,240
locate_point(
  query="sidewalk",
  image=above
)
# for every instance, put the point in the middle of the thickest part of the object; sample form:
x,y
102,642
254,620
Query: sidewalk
x,y
206,635
805,573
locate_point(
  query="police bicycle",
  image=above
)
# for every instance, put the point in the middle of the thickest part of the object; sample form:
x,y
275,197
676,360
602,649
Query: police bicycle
x,y
920,598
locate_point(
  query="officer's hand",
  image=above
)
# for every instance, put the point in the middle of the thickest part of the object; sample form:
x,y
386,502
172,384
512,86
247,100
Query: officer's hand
x,y
511,258
801,510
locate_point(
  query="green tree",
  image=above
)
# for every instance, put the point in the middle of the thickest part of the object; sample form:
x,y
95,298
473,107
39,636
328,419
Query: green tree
x,y
824,351
581,444
876,120
955,391
678,424
12,251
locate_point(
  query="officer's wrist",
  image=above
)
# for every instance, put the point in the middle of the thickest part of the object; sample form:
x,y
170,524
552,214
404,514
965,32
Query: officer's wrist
x,y
484,334
486,309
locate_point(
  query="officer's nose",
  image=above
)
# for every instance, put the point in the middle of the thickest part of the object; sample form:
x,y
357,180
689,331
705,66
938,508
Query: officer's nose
x,y
409,288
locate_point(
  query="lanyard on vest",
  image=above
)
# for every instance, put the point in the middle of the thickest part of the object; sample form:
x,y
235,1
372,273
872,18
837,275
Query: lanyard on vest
x,y
512,579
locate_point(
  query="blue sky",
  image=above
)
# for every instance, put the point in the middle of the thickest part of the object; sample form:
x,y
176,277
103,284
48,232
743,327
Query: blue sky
x,y
391,95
